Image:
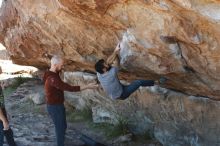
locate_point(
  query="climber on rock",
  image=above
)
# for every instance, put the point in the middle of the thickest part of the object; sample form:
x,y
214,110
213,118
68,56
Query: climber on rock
x,y
107,75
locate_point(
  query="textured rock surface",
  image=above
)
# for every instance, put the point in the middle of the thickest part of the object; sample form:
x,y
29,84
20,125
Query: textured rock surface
x,y
30,123
174,119
37,95
85,31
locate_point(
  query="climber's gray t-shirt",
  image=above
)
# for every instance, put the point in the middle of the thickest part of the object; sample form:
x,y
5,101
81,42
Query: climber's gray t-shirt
x,y
110,83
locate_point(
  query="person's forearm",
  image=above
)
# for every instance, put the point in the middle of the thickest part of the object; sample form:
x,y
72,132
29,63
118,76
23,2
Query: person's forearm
x,y
2,116
83,87
111,58
59,84
116,62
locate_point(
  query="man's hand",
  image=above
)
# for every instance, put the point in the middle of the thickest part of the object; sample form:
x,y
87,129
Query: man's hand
x,y
114,55
92,86
117,48
89,86
4,84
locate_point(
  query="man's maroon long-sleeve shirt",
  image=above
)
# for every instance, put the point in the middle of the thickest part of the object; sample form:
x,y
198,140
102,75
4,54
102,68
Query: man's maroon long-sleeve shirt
x,y
54,88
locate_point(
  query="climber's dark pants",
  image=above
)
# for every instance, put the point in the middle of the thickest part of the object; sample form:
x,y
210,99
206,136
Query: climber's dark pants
x,y
58,115
129,89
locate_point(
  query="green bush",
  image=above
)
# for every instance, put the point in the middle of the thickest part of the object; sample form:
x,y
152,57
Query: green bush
x,y
120,128
18,81
112,131
8,91
146,136
79,115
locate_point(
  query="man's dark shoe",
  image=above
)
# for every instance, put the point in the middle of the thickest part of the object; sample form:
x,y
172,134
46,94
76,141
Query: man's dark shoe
x,y
162,80
9,137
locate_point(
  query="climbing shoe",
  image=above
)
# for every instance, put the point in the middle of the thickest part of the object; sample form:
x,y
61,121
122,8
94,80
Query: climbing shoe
x,y
162,80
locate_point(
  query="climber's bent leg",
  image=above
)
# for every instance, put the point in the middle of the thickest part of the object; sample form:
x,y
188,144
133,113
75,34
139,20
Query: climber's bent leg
x,y
128,90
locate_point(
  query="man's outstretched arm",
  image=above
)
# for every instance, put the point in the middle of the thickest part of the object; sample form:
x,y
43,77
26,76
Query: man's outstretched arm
x,y
116,62
114,59
59,84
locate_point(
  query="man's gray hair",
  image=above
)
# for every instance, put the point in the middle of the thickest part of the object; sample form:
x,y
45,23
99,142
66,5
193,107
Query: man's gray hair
x,y
56,59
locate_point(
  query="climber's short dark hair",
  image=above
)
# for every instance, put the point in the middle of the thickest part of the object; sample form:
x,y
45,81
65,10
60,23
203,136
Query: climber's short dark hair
x,y
99,66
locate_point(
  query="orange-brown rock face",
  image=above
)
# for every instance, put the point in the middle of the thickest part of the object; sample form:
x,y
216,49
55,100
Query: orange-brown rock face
x,y
84,31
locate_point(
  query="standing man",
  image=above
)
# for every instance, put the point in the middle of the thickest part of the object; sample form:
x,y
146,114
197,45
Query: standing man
x,y
5,130
107,72
54,88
